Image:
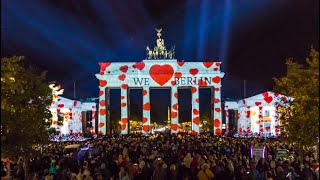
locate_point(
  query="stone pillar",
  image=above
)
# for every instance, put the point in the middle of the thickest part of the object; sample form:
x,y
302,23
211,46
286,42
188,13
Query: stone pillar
x,y
226,108
124,111
146,110
261,128
93,120
54,113
217,122
276,122
195,110
248,120
102,112
108,111
174,110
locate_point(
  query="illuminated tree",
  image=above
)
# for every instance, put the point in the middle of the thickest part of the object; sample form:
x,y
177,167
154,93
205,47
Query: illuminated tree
x,y
301,83
25,98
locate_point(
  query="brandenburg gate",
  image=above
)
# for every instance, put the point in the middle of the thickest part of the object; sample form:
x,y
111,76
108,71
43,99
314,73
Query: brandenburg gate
x,y
159,70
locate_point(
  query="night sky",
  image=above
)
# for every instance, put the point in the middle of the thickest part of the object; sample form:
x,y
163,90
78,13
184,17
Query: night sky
x,y
251,38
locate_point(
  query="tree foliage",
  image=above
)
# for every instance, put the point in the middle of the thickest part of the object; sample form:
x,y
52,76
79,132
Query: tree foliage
x,y
25,98
301,83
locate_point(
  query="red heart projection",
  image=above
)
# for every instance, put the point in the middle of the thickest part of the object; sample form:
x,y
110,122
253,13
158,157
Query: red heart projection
x,y
260,116
193,71
196,120
124,86
173,83
240,129
243,101
268,99
265,94
258,103
260,108
217,109
174,114
178,74
60,105
123,104
193,89
195,112
276,94
102,83
217,89
145,92
124,120
102,103
268,128
122,97
124,68
207,64
215,69
75,103
181,63
144,120
197,100
101,125
218,63
122,77
146,128
216,123
123,127
108,72
216,100
176,95
216,79
174,127
101,73
139,65
104,65
103,112
101,93
161,74
218,131
146,106
175,106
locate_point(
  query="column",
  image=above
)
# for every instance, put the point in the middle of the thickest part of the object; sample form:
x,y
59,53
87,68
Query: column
x,y
124,112
93,120
146,110
108,128
226,108
54,113
174,110
261,128
248,121
102,112
277,122
195,110
217,122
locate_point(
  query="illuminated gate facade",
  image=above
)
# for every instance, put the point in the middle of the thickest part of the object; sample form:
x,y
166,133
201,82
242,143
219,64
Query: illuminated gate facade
x,y
159,70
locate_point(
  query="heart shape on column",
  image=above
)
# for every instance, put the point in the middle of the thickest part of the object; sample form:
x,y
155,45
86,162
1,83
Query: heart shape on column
x,y
161,74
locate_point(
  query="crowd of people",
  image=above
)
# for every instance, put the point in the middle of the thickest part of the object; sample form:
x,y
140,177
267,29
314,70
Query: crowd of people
x,y
166,156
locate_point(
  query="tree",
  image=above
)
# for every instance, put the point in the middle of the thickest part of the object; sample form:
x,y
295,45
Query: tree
x,y
25,98
302,114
